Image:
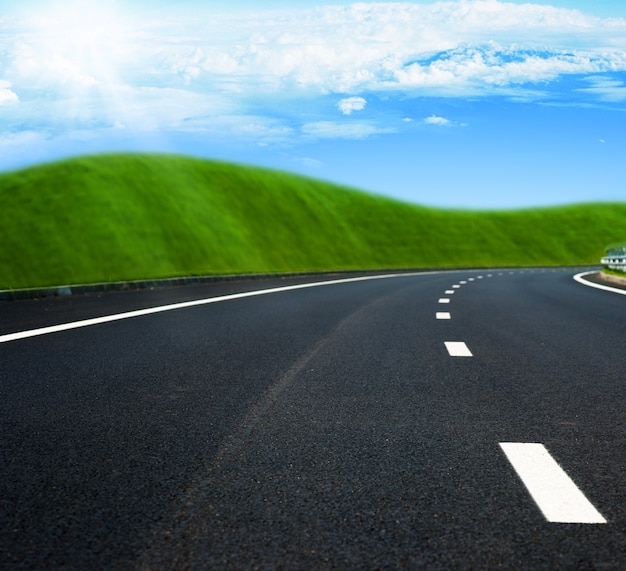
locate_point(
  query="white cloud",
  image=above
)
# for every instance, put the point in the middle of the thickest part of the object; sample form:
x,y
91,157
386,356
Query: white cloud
x,y
161,107
459,46
606,89
7,96
447,48
436,120
487,69
249,128
21,139
337,130
442,122
351,104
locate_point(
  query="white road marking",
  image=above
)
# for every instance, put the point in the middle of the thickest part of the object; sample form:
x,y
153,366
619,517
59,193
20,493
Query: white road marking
x,y
444,300
458,349
162,308
579,279
480,277
443,315
556,495
463,282
471,280
456,286
449,292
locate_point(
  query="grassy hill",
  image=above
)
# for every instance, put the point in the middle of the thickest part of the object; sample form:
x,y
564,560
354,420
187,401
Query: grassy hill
x,y
122,217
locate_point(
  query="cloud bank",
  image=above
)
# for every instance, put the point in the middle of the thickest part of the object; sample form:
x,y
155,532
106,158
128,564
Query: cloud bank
x,y
446,48
188,69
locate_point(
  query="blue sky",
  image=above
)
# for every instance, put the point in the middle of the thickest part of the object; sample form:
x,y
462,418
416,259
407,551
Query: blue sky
x,y
464,104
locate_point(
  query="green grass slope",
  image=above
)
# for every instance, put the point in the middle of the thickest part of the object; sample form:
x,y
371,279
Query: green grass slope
x,y
124,217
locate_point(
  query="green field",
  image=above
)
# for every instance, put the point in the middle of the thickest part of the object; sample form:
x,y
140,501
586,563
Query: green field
x,y
125,217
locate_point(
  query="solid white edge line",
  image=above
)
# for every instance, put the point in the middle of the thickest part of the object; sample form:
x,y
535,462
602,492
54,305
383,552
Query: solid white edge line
x,y
458,349
159,309
580,280
556,495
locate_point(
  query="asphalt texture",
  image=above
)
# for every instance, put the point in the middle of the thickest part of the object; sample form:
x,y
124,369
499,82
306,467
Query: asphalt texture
x,y
321,428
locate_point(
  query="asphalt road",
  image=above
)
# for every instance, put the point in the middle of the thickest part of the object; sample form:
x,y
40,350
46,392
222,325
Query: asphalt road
x,y
319,428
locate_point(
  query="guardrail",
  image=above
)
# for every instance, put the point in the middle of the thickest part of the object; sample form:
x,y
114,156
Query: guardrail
x,y
615,262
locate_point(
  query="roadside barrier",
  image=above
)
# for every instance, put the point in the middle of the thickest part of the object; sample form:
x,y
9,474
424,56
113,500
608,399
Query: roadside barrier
x,y
615,258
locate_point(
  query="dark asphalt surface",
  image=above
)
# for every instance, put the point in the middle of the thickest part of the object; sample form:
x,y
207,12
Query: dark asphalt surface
x,y
323,428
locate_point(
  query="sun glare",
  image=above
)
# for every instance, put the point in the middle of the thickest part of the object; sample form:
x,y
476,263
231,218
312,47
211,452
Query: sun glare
x,y
81,53
84,41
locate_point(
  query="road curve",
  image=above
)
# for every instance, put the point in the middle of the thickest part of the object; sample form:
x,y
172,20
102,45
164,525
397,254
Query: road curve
x,y
409,422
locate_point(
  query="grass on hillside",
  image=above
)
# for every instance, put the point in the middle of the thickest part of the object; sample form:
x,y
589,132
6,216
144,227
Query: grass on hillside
x,y
617,273
123,217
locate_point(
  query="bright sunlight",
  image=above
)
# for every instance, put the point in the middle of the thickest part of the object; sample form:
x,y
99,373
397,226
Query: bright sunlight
x,y
85,43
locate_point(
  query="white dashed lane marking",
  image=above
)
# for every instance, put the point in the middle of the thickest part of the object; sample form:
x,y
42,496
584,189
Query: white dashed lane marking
x,y
556,495
458,349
